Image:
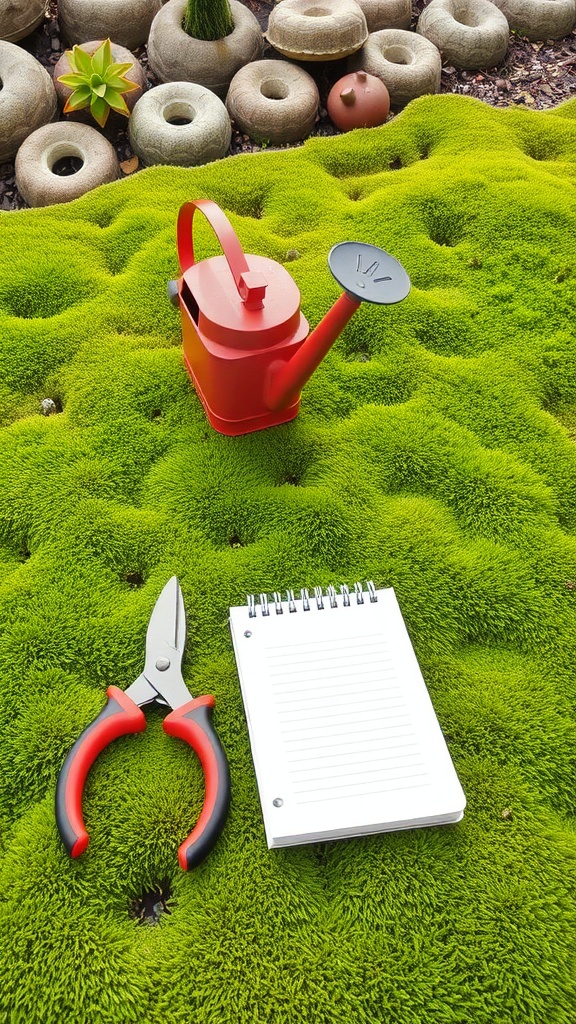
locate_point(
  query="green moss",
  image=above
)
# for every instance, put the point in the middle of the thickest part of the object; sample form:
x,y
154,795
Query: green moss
x,y
434,452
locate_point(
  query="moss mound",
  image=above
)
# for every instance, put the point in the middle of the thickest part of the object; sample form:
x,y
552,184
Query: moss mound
x,y
434,452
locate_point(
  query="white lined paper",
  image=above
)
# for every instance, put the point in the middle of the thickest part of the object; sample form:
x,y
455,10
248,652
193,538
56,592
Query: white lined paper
x,y
344,737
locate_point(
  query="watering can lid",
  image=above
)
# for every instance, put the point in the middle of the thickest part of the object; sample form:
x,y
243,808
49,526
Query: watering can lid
x,y
236,292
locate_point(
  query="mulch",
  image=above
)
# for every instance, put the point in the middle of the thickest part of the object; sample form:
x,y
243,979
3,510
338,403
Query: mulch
x,y
535,75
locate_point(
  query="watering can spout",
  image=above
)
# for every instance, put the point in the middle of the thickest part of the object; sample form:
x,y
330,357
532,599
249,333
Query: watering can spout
x,y
368,274
287,379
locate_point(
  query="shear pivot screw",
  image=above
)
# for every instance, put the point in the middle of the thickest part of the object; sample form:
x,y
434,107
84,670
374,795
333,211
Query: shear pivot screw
x,y
162,664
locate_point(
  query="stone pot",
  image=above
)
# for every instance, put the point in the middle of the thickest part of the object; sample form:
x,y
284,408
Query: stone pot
x,y
37,177
407,63
174,56
273,101
27,98
126,22
121,56
469,33
317,29
18,18
180,123
539,19
382,14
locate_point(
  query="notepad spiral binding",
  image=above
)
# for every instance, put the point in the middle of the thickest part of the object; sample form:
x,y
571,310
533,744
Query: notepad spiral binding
x,y
319,596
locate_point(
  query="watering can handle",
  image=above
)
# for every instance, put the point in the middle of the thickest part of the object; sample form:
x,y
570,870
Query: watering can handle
x,y
250,285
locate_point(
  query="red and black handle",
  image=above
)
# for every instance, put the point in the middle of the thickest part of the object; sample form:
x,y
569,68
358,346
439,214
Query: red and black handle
x,y
192,723
120,716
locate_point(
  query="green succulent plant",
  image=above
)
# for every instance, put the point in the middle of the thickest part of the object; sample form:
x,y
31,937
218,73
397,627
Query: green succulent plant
x,y
97,82
208,19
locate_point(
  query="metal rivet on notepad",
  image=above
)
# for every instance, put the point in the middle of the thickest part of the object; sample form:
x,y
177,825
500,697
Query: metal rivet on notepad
x,y
247,632
278,801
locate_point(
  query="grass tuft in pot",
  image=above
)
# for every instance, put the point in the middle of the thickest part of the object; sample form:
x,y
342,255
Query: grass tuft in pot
x,y
208,19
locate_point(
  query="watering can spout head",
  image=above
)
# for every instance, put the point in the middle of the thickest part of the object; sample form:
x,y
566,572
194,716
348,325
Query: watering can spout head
x,y
368,274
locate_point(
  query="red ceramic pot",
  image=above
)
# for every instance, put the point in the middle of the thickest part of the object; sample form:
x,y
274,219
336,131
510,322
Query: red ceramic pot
x,y
358,100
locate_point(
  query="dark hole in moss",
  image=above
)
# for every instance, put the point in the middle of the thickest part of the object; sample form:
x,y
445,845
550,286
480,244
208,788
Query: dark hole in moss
x,y
134,579
235,541
292,479
24,553
321,854
354,195
257,212
442,235
396,164
425,152
67,165
156,414
151,906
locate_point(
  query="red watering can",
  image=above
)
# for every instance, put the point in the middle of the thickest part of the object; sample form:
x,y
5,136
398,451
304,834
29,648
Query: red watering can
x,y
246,343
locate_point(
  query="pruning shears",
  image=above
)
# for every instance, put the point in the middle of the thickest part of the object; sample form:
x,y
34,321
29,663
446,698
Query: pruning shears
x,y
161,683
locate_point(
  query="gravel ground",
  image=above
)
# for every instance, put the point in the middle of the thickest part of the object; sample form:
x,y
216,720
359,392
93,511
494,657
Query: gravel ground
x,y
536,75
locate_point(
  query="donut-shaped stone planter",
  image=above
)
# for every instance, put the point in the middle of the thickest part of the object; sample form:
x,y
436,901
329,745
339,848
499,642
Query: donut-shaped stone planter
x,y
469,33
273,101
125,22
40,156
539,19
180,123
382,14
120,55
175,56
317,29
27,98
408,64
18,18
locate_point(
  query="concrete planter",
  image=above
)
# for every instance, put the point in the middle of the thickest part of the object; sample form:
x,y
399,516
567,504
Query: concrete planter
x,y
175,56
273,101
317,29
125,22
407,63
469,33
27,98
539,19
18,18
382,14
180,123
36,163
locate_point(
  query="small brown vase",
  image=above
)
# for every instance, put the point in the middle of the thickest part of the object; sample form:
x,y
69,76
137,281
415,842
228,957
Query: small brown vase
x,y
358,100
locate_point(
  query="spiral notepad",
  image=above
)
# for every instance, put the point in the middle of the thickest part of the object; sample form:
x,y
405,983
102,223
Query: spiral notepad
x,y
344,737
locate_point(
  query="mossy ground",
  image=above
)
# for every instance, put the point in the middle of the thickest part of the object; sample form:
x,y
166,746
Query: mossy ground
x,y
434,452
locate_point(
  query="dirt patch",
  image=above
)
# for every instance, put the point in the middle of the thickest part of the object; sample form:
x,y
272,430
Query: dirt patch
x,y
535,75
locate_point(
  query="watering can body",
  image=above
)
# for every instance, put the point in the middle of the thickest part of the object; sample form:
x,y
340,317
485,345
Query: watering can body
x,y
246,344
240,318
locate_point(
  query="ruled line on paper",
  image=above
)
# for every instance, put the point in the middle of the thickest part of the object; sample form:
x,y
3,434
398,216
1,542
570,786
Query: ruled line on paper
x,y
342,749
359,707
330,643
385,789
300,727
360,671
341,755
382,777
